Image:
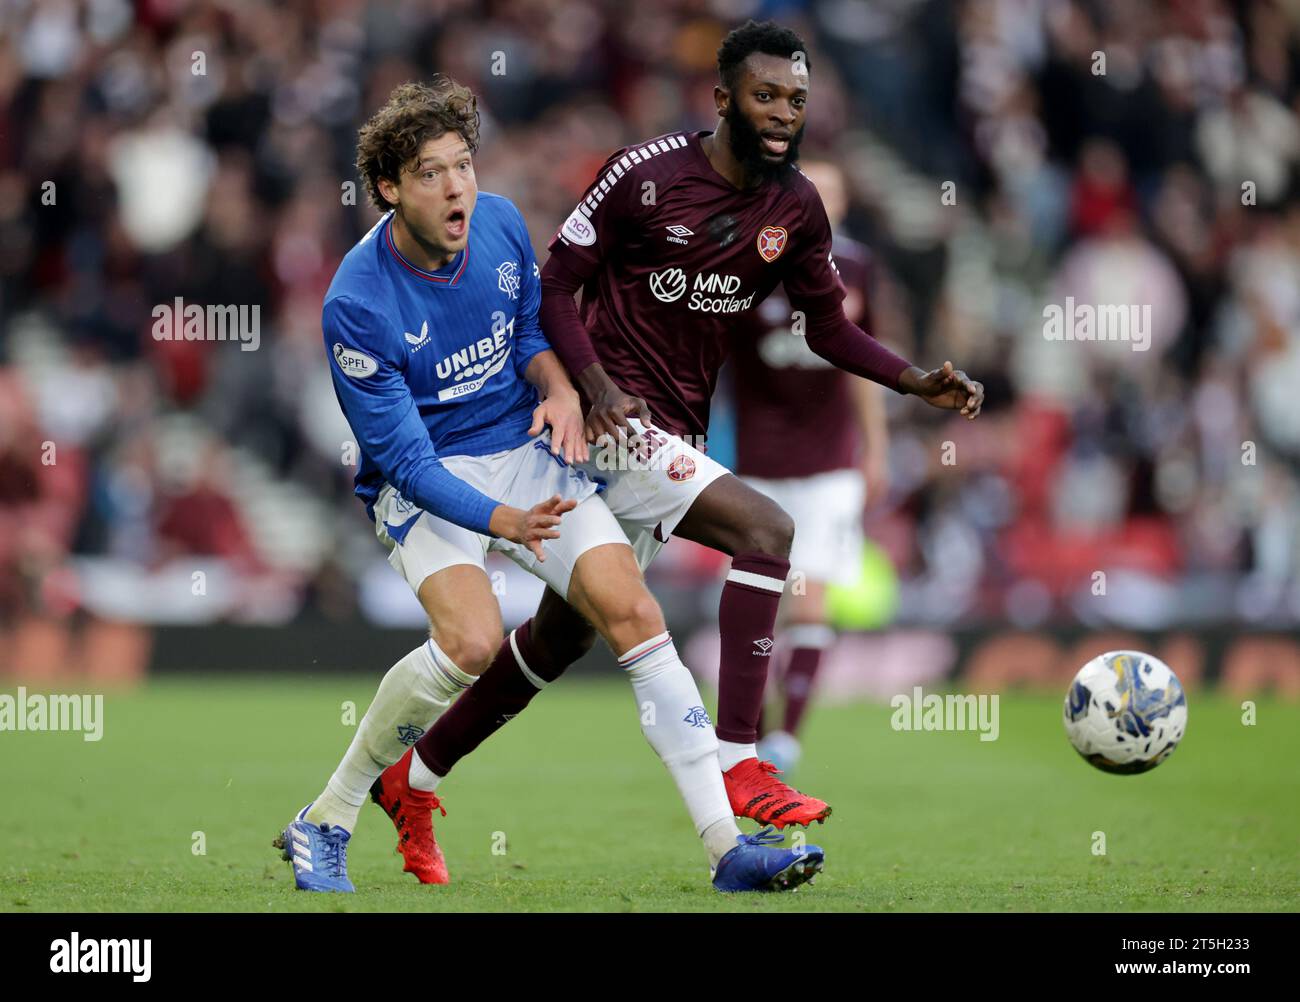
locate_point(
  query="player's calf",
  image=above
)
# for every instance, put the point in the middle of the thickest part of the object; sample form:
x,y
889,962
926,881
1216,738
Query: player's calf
x,y
607,589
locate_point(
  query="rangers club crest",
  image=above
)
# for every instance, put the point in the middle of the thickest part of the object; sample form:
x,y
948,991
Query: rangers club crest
x,y
408,734
771,242
681,468
508,278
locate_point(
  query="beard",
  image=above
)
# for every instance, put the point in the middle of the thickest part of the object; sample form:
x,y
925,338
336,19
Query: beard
x,y
747,147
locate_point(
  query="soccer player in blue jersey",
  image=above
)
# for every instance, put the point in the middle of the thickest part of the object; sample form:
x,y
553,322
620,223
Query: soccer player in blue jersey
x,y
450,387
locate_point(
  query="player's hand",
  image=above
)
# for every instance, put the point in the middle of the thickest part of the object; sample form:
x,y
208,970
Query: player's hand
x,y
610,409
946,388
529,528
563,412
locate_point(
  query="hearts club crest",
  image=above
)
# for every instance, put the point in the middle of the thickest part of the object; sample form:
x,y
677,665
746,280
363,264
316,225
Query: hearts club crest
x,y
771,242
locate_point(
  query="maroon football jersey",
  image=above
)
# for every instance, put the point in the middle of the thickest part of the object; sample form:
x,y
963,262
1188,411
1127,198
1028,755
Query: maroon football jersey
x,y
795,414
675,259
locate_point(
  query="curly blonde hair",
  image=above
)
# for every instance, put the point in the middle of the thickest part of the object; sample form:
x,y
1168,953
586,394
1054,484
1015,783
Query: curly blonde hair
x,y
415,113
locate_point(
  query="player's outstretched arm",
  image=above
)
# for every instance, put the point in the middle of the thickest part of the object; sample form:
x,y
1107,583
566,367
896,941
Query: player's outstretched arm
x,y
845,345
560,408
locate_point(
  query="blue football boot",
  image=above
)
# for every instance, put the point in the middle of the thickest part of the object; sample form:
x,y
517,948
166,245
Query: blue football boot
x,y
757,864
319,854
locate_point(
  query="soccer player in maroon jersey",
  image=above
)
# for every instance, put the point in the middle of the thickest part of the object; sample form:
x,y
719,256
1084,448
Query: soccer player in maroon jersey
x,y
675,243
814,439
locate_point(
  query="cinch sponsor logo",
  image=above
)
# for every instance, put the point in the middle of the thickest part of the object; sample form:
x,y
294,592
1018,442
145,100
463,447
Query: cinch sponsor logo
x,y
475,364
578,229
75,955
62,712
710,293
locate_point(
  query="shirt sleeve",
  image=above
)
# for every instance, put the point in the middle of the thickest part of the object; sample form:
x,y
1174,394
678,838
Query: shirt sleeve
x,y
561,320
608,207
373,394
530,341
810,275
593,228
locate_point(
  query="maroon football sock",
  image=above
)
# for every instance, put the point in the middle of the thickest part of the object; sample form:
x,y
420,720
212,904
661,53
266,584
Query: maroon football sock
x,y
746,620
800,673
501,692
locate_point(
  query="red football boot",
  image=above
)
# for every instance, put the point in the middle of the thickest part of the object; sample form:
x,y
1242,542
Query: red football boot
x,y
755,792
412,814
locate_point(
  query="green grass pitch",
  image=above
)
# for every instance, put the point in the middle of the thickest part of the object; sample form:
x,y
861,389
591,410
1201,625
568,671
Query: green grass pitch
x,y
567,809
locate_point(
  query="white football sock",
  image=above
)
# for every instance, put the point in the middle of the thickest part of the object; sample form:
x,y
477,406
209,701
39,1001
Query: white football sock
x,y
719,839
413,694
731,754
420,776
675,723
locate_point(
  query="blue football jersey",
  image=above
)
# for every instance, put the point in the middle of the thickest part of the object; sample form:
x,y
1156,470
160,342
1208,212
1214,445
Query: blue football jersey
x,y
429,364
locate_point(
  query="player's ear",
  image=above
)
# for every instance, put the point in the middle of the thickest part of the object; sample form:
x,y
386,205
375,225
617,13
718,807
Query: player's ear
x,y
389,190
721,99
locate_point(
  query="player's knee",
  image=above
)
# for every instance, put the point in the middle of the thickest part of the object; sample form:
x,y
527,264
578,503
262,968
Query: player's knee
x,y
770,531
470,649
635,611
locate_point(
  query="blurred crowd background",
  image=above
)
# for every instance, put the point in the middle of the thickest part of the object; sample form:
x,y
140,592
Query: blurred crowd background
x,y
204,149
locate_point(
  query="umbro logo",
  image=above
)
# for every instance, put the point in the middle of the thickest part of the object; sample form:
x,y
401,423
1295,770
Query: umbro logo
x,y
678,233
418,342
764,645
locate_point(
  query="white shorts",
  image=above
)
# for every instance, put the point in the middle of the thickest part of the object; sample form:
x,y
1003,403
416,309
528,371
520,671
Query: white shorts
x,y
419,543
827,513
649,483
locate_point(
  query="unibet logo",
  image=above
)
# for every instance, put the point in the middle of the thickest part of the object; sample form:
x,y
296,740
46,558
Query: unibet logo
x,y
668,285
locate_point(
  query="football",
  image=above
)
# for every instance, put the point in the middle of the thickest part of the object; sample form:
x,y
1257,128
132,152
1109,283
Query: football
x,y
1125,712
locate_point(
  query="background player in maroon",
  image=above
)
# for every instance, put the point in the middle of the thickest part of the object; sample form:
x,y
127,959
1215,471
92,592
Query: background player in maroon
x,y
816,441
674,245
